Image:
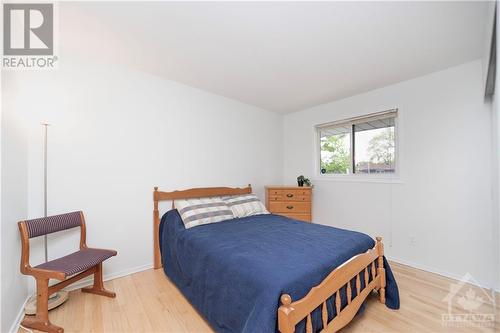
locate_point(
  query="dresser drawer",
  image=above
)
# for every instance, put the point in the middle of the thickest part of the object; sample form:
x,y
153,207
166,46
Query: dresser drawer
x,y
304,198
301,217
275,197
289,207
297,195
292,197
289,195
273,192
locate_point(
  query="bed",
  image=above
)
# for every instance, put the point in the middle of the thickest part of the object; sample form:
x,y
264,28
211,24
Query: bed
x,y
270,273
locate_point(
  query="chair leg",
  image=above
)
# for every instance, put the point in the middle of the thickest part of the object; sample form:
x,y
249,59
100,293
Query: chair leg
x,y
41,320
98,287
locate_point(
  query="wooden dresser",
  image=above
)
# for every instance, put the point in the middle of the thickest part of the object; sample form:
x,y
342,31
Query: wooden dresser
x,y
292,201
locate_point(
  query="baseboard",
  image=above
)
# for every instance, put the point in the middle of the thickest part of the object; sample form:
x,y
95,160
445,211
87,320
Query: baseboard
x,y
436,271
80,284
15,325
88,281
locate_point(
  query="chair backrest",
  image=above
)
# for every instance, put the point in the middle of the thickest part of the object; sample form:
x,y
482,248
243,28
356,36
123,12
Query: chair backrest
x,y
47,225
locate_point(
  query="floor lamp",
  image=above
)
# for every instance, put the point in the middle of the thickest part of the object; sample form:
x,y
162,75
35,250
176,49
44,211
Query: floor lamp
x,y
61,296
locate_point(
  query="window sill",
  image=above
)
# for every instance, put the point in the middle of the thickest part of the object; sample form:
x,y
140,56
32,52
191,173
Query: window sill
x,y
359,179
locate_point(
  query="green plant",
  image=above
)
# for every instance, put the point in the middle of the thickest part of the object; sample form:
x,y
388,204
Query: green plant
x,y
301,180
307,182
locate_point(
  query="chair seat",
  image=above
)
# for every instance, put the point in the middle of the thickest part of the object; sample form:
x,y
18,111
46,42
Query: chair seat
x,y
78,261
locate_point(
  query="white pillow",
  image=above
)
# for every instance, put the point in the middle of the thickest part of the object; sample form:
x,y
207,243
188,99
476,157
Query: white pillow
x,y
201,211
245,205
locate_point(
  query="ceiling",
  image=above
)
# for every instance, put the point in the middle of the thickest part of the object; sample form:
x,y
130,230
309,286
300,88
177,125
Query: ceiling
x,y
280,56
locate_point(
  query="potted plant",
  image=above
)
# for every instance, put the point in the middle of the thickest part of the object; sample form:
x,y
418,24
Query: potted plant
x,y
303,181
307,182
300,180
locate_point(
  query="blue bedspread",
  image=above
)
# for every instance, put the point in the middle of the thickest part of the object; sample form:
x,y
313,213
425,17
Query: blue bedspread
x,y
235,271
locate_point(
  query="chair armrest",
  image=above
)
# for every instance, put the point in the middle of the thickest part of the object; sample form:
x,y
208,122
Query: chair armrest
x,y
97,248
43,273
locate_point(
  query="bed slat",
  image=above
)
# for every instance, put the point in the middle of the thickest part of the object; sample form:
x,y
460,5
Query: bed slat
x,y
309,327
337,302
324,315
349,292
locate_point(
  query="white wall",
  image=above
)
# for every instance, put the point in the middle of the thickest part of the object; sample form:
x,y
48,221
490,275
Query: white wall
x,y
495,125
443,199
14,205
488,34
115,133
496,160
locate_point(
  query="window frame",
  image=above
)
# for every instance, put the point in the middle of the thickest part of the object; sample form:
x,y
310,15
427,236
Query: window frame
x,y
352,176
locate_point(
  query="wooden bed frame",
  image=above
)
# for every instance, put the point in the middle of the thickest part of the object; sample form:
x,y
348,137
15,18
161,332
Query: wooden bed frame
x,y
290,313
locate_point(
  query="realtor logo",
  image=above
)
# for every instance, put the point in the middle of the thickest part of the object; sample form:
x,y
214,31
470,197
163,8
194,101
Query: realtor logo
x,y
28,29
28,35
468,306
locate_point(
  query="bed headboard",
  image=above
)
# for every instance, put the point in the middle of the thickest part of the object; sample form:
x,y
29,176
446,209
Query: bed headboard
x,y
201,192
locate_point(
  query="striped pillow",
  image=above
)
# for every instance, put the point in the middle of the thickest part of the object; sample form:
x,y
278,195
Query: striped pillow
x,y
245,205
201,211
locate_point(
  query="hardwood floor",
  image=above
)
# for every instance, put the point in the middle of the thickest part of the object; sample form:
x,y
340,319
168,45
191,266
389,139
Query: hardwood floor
x,y
149,302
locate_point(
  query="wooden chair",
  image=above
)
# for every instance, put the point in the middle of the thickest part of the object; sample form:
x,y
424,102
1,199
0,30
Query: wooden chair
x,y
76,265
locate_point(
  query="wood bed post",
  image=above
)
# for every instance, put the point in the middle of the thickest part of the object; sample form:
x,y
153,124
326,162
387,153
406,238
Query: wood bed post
x,y
156,230
381,269
284,323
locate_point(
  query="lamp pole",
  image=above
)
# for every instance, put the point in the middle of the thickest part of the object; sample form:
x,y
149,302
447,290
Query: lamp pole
x,y
45,213
61,296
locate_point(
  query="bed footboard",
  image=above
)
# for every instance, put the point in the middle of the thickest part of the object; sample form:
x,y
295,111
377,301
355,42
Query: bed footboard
x,y
359,267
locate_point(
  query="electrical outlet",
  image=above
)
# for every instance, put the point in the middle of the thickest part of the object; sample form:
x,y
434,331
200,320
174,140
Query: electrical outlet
x,y
413,241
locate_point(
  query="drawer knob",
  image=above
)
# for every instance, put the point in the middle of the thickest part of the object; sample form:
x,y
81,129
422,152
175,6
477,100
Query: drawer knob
x,y
289,207
289,195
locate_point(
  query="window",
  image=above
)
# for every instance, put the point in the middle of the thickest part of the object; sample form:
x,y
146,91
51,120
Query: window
x,y
363,145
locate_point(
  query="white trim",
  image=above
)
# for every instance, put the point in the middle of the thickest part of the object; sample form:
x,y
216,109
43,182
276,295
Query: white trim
x,y
14,328
358,178
391,113
88,281
82,283
428,269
